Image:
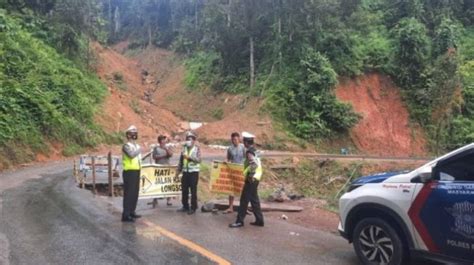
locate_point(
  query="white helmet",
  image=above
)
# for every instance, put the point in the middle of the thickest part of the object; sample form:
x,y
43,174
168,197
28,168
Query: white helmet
x,y
247,135
191,134
132,129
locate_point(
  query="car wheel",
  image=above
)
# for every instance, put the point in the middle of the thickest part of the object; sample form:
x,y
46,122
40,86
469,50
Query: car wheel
x,y
376,242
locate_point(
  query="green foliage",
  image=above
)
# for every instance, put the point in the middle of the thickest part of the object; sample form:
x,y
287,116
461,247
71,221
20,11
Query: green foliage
x,y
72,149
202,70
340,48
117,76
461,130
447,36
320,179
135,105
218,113
444,89
66,25
467,44
43,96
306,100
375,51
412,53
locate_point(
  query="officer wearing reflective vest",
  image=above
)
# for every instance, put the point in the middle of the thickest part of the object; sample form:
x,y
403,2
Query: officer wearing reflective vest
x,y
189,164
131,164
252,174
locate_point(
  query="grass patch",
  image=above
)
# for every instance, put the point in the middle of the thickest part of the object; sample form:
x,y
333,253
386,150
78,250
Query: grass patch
x,y
72,149
326,179
135,106
119,81
217,113
113,138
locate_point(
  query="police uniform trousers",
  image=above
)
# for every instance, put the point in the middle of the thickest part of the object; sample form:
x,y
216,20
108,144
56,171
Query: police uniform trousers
x,y
189,181
250,194
131,186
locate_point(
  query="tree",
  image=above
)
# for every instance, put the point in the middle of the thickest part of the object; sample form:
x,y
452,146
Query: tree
x,y
348,7
447,36
412,53
446,93
308,102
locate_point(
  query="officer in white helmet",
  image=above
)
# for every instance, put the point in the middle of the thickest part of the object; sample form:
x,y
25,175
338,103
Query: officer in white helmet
x,y
252,173
189,164
131,163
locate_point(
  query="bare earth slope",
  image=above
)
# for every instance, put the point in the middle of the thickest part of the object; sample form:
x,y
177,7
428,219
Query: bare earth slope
x,y
385,128
126,103
222,113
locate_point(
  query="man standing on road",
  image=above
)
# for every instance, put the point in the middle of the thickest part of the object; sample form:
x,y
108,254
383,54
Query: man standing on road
x,y
236,155
252,173
131,159
189,164
162,155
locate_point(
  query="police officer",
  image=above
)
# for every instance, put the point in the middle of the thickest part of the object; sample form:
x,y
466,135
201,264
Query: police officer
x,y
189,164
131,159
252,173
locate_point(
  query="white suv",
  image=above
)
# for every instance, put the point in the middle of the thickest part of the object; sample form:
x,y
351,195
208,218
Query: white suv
x,y
427,213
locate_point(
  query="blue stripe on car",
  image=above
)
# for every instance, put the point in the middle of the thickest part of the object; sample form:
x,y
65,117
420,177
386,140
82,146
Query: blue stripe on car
x,y
377,178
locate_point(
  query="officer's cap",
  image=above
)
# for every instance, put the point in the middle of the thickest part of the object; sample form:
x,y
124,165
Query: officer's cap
x,y
132,129
191,134
247,135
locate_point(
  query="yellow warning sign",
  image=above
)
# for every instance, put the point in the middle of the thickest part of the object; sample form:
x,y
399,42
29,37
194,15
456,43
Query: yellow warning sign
x,y
158,181
227,178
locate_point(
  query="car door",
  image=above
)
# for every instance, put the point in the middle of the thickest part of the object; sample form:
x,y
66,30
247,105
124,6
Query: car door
x,y
443,211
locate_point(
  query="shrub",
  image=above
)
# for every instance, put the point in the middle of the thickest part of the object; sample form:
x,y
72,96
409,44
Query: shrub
x,y
135,106
202,70
43,96
218,113
305,99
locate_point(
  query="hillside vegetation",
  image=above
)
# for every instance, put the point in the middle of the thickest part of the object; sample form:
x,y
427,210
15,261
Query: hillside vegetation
x,y
44,96
292,53
285,57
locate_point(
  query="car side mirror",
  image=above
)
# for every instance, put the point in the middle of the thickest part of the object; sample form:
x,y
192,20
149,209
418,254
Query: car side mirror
x,y
422,178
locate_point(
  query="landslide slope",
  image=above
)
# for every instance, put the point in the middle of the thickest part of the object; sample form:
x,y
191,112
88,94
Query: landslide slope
x,y
127,102
154,97
385,127
220,113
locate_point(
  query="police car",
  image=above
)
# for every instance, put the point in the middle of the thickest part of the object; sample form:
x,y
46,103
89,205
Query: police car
x,y
427,213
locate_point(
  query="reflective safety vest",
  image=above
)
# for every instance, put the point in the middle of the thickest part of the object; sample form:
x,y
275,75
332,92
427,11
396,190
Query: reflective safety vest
x,y
258,172
129,163
190,166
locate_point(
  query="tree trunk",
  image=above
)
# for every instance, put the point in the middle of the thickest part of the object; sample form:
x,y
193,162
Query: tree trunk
x,y
110,15
280,55
117,20
196,14
290,37
229,10
88,28
149,35
252,63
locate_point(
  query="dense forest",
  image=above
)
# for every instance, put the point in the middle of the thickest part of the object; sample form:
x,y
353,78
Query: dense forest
x,y
290,53
293,52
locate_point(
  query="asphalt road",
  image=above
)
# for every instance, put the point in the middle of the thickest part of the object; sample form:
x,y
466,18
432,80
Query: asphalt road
x,y
46,219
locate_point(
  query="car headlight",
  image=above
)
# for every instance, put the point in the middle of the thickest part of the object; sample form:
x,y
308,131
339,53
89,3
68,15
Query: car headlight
x,y
353,187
